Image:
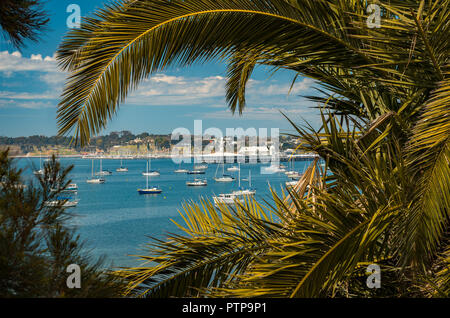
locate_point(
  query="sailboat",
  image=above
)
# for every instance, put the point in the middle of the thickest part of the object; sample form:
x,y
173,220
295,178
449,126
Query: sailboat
x,y
241,191
224,177
94,179
150,173
103,172
297,176
39,172
230,198
147,190
122,168
292,173
179,170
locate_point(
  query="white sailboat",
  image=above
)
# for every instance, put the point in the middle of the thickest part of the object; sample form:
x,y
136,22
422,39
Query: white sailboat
x,y
224,177
292,173
147,190
298,175
150,173
241,191
122,168
179,170
39,172
240,194
103,172
94,179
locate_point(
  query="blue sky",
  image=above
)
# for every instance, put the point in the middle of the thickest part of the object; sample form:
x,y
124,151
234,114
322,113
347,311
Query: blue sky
x,y
31,84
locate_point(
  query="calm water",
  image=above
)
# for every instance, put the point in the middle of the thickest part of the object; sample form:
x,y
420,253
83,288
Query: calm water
x,y
115,221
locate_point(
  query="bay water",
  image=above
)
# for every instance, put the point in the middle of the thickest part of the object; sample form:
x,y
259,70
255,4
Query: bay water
x,y
116,222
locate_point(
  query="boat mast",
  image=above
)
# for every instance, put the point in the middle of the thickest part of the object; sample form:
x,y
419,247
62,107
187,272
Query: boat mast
x,y
239,174
215,175
146,184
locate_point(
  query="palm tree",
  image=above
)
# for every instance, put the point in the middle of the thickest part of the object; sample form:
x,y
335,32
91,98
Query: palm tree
x,y
22,19
384,95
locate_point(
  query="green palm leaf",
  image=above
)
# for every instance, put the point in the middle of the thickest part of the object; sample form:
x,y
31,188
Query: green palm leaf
x,y
429,161
125,43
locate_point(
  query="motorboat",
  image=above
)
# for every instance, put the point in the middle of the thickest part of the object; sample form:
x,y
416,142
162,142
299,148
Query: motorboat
x,y
197,183
196,172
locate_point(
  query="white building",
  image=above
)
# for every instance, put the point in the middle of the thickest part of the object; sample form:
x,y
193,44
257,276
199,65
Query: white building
x,y
254,151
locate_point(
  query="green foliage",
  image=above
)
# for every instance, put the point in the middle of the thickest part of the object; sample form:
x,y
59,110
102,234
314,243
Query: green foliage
x,y
22,19
35,244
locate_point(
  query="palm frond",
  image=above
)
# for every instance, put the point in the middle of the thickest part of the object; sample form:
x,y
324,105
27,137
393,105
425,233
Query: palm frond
x,y
124,43
429,160
218,244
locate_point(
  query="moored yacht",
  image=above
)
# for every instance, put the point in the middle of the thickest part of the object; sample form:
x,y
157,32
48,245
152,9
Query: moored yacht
x,y
196,172
63,201
224,177
147,190
122,168
180,170
197,183
150,173
93,179
103,172
240,194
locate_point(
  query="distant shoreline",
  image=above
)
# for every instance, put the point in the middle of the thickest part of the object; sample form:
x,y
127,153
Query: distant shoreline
x,y
201,158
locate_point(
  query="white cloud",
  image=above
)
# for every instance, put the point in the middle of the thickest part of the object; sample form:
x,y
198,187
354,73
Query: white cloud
x,y
28,96
35,104
37,57
166,90
30,104
158,90
15,62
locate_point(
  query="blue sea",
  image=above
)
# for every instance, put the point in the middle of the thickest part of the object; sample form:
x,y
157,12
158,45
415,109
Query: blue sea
x,y
116,222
